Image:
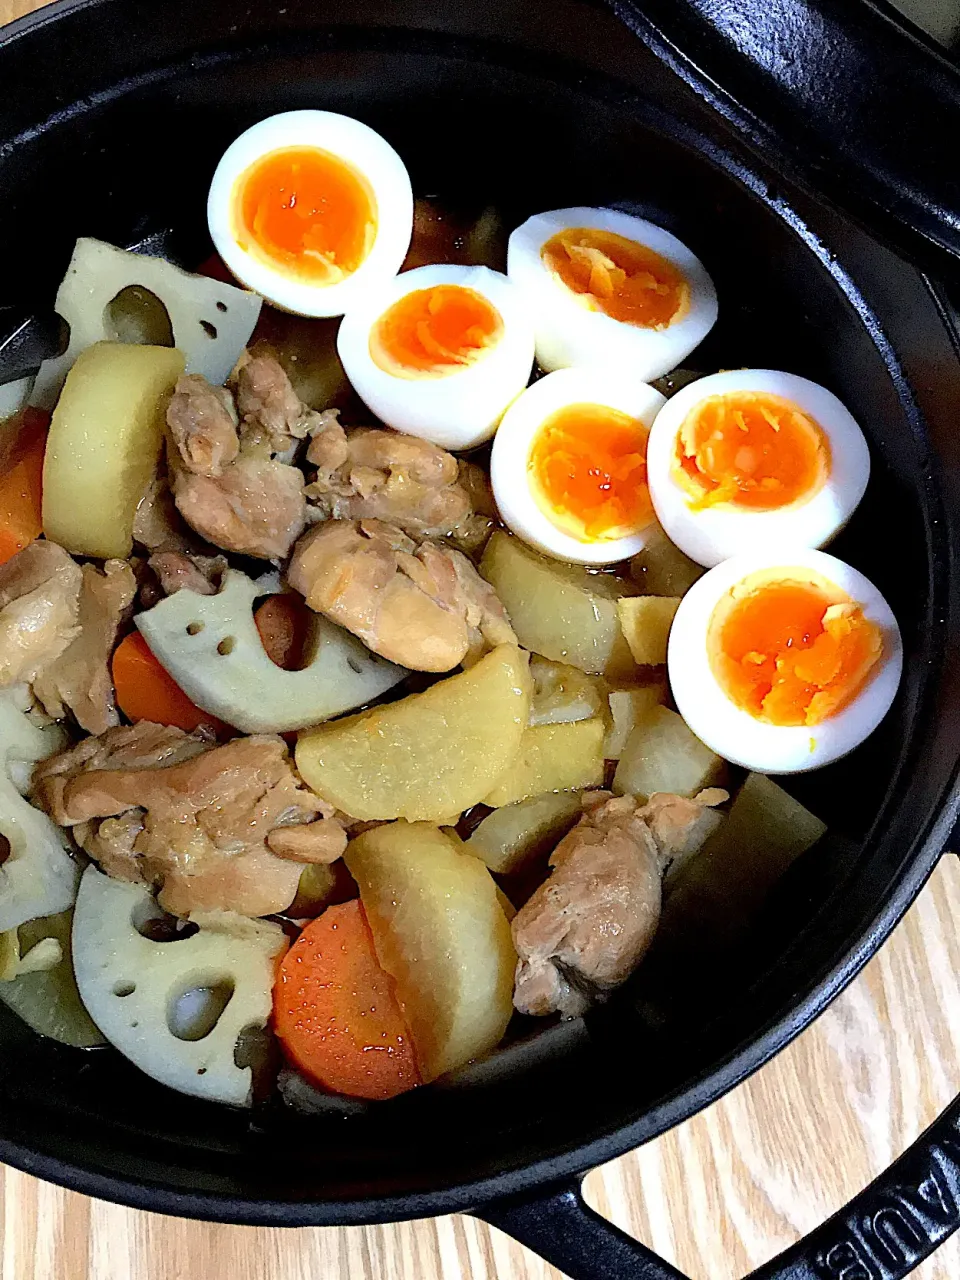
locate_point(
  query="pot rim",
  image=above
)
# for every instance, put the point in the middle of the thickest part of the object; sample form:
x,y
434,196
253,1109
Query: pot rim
x,y
779,1031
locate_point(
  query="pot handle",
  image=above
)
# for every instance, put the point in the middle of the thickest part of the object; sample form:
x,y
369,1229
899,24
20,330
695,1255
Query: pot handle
x,y
847,97
881,1234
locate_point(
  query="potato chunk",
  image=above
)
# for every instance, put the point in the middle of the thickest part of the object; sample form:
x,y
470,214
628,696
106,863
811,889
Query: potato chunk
x,y
104,444
663,754
560,611
430,755
627,707
562,694
441,932
518,833
553,757
646,622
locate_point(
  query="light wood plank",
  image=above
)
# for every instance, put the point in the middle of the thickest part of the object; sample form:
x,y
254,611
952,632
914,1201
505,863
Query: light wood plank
x,y
717,1196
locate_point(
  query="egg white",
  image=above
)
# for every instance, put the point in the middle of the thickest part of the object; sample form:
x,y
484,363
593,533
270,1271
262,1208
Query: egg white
x,y
734,733
363,149
713,534
570,334
509,475
455,410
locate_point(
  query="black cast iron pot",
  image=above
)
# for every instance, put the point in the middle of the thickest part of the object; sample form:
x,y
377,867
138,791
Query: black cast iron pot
x,y
112,117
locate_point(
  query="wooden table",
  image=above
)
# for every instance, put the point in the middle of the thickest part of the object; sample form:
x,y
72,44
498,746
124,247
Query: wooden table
x,y
717,1196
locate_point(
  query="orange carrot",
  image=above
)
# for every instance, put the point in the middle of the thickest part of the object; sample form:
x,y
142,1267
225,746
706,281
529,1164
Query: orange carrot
x,y
335,1011
146,691
20,485
284,625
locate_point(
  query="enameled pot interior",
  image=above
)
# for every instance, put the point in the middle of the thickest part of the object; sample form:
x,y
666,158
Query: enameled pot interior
x,y
475,130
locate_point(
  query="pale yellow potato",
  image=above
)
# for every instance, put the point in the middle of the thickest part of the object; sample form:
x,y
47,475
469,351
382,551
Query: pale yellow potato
x,y
646,622
442,934
104,445
430,755
562,693
662,754
721,890
559,610
553,757
661,569
519,833
627,707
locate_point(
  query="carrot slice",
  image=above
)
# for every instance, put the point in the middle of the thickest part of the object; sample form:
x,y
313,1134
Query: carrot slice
x,y
336,1013
284,625
146,691
21,485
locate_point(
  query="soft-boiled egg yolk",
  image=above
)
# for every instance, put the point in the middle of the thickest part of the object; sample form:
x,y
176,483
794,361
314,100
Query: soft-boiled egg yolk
x,y
588,471
791,652
436,331
625,280
751,449
307,212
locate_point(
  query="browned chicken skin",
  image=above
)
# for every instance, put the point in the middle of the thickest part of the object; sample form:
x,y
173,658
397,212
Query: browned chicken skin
x,y
423,607
169,808
39,609
80,678
588,926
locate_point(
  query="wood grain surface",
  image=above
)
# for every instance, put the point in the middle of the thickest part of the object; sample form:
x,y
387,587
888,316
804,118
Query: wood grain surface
x,y
716,1196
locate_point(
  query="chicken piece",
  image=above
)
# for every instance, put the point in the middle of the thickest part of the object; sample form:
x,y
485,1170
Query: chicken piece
x,y
423,607
256,508
111,843
322,841
368,474
80,678
228,486
179,572
131,746
680,826
39,609
267,403
192,818
328,449
587,927
203,424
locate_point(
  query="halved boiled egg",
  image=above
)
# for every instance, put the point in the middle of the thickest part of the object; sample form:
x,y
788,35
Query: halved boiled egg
x,y
754,457
309,209
439,352
784,661
569,468
608,288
